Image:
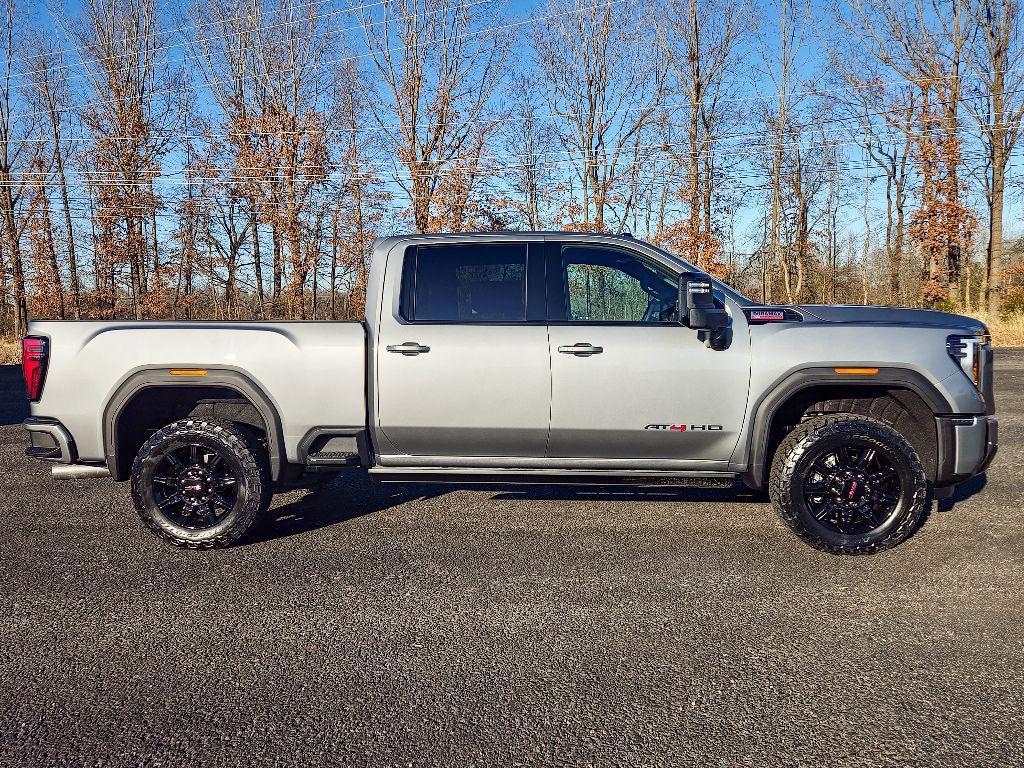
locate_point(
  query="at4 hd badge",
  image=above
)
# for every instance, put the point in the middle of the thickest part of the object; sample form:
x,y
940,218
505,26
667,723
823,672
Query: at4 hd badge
x,y
686,427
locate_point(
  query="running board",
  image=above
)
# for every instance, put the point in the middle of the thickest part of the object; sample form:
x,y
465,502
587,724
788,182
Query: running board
x,y
486,476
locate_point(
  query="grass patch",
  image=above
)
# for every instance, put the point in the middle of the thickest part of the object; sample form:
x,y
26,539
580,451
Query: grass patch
x,y
1006,331
10,352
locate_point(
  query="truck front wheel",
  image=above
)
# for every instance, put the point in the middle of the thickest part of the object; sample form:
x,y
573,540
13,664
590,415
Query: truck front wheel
x,y
848,484
201,484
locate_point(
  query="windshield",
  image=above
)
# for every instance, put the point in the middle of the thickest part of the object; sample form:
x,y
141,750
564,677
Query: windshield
x,y
735,295
729,291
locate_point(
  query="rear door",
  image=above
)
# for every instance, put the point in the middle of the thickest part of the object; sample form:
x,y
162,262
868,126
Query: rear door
x,y
462,363
628,381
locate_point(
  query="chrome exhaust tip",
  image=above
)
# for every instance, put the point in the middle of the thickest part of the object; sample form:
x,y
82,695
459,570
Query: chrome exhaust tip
x,y
78,471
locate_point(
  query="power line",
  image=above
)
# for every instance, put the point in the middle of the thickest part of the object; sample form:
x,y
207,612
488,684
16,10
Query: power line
x,y
183,136
170,32
82,64
307,172
347,59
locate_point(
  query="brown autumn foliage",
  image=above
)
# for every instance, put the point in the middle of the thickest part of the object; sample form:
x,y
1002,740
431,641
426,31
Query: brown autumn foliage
x,y
943,224
241,164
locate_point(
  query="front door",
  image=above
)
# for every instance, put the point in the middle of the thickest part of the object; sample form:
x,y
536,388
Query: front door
x,y
462,365
628,381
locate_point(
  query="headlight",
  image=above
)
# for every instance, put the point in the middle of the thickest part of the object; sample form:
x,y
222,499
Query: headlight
x,y
966,351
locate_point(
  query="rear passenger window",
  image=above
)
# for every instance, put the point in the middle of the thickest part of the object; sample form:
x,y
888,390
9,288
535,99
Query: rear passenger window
x,y
472,283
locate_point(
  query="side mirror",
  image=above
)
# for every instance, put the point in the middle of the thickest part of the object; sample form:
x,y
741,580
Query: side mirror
x,y
701,312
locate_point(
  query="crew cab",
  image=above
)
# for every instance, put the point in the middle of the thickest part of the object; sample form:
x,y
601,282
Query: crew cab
x,y
526,357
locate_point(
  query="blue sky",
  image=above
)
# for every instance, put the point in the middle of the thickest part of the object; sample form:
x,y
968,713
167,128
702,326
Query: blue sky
x,y
42,16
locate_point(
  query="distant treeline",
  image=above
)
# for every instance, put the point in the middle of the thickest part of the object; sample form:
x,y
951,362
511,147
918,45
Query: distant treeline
x,y
237,159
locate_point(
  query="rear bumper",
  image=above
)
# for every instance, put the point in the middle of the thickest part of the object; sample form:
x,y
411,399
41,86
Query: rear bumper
x,y
49,441
967,445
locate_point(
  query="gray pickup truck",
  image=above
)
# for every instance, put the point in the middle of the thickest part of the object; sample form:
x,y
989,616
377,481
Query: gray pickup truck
x,y
540,357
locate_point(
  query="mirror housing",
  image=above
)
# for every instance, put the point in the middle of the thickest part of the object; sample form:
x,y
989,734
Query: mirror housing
x,y
701,311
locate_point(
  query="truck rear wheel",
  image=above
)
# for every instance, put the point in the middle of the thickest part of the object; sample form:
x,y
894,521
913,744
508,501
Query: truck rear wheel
x,y
201,484
848,484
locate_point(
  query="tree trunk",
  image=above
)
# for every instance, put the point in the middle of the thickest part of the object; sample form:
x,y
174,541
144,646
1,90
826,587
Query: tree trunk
x,y
58,285
69,231
334,261
276,241
135,237
994,255
6,314
257,259
230,300
13,248
899,238
153,239
693,182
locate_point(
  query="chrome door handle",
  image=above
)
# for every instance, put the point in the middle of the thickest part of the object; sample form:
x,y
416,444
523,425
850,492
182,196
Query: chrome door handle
x,y
408,348
581,349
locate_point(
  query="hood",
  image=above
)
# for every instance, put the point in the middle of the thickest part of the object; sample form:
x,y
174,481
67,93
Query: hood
x,y
855,313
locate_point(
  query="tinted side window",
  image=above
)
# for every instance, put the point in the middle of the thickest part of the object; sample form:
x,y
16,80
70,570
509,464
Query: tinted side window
x,y
473,283
610,285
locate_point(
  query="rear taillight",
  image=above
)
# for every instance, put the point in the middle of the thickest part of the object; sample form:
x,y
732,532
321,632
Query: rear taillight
x,y
35,354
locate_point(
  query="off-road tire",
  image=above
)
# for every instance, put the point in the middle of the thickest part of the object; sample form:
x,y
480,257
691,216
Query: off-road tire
x,y
806,442
236,446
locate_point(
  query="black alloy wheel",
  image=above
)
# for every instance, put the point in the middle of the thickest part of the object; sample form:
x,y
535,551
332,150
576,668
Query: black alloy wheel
x,y
201,484
848,484
194,486
852,489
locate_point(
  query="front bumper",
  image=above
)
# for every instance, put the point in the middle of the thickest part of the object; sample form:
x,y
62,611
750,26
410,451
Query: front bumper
x,y
967,446
991,445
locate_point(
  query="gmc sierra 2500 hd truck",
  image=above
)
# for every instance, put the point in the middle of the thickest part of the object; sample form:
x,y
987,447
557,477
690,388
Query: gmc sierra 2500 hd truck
x,y
511,357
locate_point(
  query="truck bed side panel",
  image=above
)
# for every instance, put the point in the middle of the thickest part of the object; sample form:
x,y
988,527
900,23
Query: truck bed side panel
x,y
313,372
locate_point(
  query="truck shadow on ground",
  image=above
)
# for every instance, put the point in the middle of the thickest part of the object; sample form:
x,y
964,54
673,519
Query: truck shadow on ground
x,y
347,498
356,495
737,493
963,492
13,403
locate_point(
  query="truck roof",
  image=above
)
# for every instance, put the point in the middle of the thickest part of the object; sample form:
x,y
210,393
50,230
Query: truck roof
x,y
384,244
504,234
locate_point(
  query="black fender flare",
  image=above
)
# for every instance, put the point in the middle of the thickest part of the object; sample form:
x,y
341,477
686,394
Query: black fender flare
x,y
160,376
791,383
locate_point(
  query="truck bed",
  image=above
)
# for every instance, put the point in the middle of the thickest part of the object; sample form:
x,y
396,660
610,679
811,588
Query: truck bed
x,y
314,372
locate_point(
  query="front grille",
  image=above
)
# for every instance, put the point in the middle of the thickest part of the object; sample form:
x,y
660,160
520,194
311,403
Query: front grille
x,y
956,347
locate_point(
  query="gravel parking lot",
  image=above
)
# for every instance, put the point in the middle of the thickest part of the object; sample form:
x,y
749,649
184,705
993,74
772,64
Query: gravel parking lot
x,y
397,625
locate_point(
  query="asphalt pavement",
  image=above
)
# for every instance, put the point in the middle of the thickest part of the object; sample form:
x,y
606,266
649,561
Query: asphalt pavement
x,y
382,625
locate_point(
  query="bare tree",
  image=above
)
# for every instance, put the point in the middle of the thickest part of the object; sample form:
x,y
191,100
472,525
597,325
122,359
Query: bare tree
x,y
293,124
780,52
924,43
226,57
361,204
997,60
530,146
131,120
438,65
605,86
700,40
18,159
49,300
881,117
53,99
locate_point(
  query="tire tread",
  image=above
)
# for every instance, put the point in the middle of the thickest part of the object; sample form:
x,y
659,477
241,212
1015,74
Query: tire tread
x,y
782,485
255,466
